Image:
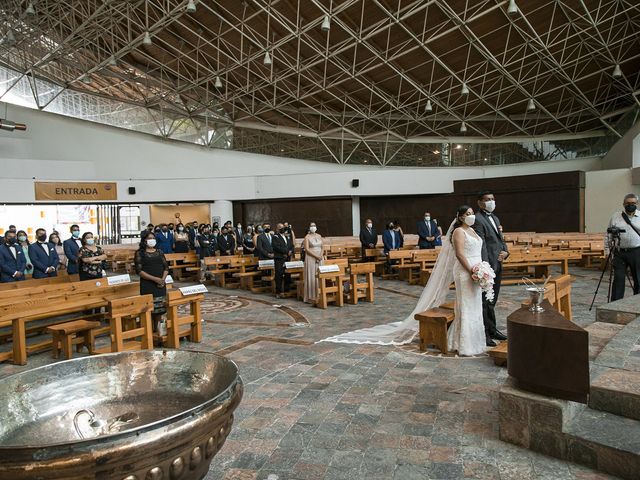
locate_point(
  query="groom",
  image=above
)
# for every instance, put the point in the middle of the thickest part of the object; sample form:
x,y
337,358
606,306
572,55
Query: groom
x,y
494,251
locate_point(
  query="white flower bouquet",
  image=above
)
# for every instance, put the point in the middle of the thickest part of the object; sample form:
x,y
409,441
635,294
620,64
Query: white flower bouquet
x,y
484,275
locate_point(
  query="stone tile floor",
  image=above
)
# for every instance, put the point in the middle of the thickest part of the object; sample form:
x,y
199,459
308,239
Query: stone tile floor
x,y
332,411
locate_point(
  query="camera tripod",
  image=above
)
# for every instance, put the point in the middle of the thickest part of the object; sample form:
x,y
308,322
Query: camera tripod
x,y
614,246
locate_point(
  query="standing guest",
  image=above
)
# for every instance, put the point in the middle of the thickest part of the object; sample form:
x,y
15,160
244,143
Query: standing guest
x,y
428,232
391,241
71,248
368,239
12,261
91,258
628,255
206,242
282,252
238,233
313,258
171,228
153,269
494,251
248,245
181,239
193,232
258,230
55,239
23,240
439,237
43,256
264,243
12,228
226,242
398,228
290,232
164,239
150,228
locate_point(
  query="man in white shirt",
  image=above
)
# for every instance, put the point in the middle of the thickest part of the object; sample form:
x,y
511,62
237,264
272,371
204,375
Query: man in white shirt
x,y
627,249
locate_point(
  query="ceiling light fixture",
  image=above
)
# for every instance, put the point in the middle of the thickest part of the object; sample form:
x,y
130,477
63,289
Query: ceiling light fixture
x,y
217,83
267,58
458,147
463,127
10,38
531,105
146,40
191,6
465,89
30,10
86,79
512,9
326,24
436,152
428,107
617,71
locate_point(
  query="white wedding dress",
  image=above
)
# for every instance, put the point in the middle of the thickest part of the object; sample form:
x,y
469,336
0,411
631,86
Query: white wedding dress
x,y
466,333
469,333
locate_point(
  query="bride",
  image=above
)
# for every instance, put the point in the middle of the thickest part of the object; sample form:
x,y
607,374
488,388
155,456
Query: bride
x,y
461,251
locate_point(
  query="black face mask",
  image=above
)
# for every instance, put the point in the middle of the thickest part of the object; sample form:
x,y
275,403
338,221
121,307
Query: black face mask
x,y
282,230
267,230
630,208
42,238
11,240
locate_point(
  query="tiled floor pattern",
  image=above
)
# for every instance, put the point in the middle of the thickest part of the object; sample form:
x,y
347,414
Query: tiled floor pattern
x,y
333,411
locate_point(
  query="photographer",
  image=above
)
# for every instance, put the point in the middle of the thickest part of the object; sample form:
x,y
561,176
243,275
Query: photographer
x,y
623,235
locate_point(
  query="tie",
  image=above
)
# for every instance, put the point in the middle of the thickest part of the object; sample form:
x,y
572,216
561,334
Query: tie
x,y
393,241
492,222
429,228
268,238
46,248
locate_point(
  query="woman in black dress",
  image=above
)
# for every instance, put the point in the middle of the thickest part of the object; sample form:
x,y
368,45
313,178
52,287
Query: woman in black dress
x,y
91,258
181,239
153,269
248,247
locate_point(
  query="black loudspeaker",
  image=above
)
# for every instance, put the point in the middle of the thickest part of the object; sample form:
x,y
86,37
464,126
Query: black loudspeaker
x,y
355,183
132,190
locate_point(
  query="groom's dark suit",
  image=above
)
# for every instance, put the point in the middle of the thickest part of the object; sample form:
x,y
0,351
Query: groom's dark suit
x,y
492,245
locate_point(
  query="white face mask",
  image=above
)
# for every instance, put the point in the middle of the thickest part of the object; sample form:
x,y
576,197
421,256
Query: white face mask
x,y
470,219
490,205
369,225
427,218
180,229
313,229
151,243
90,241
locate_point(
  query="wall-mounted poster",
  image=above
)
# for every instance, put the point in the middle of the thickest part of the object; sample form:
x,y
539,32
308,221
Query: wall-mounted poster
x,y
70,214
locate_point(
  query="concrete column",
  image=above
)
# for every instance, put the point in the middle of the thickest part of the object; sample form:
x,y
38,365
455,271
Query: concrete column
x,y
223,209
355,215
145,215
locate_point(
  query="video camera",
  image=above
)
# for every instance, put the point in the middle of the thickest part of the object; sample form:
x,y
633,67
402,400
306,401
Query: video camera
x,y
615,231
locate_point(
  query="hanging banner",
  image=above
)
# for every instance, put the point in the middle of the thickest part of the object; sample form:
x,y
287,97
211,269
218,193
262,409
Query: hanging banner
x,y
77,191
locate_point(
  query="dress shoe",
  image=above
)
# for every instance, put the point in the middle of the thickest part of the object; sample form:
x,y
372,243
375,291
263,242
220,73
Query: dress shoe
x,y
491,343
498,335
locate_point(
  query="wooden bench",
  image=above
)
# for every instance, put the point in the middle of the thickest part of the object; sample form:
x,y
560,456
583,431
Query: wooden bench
x,y
331,285
433,325
361,289
380,260
183,264
62,277
221,269
130,324
178,326
77,332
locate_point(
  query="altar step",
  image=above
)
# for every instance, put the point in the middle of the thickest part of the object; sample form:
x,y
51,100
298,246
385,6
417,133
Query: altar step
x,y
617,391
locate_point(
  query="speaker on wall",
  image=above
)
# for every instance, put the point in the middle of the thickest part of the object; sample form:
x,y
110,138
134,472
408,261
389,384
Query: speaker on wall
x,y
132,190
355,183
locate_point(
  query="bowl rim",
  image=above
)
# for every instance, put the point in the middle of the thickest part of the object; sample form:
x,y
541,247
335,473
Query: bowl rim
x,y
218,399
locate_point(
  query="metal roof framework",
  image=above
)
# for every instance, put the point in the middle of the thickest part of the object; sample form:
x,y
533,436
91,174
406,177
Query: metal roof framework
x,y
389,82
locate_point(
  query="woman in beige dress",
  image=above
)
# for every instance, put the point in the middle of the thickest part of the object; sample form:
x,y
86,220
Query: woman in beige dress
x,y
313,258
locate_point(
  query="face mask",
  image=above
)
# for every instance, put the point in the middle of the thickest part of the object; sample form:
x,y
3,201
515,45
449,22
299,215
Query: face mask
x,y
11,240
282,230
239,225
426,219
91,241
490,206
164,229
180,229
630,208
22,238
470,219
369,225
42,238
313,229
151,243
75,233
267,230
260,230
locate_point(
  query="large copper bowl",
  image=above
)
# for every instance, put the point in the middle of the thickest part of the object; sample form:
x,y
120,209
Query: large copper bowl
x,y
146,415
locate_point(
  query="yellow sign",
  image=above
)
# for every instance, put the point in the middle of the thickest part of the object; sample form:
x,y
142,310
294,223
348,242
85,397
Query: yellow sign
x,y
78,191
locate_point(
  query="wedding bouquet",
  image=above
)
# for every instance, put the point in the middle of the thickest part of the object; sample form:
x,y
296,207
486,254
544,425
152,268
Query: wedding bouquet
x,y
483,274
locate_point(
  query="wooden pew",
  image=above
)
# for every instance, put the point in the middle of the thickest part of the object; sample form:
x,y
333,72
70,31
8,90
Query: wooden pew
x,y
248,272
403,263
380,260
181,264
18,313
129,320
178,326
331,284
361,289
62,277
433,325
221,269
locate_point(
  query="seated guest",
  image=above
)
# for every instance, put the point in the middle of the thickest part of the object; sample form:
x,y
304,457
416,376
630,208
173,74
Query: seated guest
x,y
71,248
164,239
427,232
12,261
181,238
264,243
153,269
91,258
43,256
368,238
248,246
55,239
226,242
23,241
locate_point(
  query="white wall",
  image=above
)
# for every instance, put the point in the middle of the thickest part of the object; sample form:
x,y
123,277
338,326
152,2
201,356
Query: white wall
x,y
61,148
626,151
604,192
